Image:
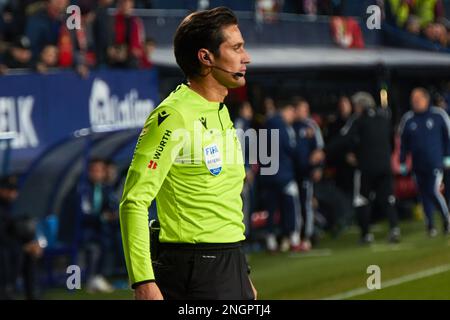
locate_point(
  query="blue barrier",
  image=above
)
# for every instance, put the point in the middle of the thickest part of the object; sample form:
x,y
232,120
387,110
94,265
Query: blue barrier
x,y
44,109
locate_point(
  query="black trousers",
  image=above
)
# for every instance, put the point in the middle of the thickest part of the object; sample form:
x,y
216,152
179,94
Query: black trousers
x,y
14,262
379,186
202,272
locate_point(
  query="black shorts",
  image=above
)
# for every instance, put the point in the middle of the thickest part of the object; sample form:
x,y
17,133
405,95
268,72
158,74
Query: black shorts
x,y
202,271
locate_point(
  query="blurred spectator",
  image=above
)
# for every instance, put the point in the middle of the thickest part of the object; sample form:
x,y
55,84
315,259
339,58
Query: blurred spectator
x,y
73,45
149,49
102,27
111,173
19,55
44,26
13,17
19,249
420,17
397,11
343,113
48,59
267,10
310,7
269,107
346,32
129,36
430,15
99,223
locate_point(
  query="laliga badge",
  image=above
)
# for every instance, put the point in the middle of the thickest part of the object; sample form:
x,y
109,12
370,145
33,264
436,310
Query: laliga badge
x,y
213,160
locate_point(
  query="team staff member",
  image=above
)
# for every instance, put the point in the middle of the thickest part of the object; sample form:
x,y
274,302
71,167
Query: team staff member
x,y
425,134
309,155
369,135
280,191
199,203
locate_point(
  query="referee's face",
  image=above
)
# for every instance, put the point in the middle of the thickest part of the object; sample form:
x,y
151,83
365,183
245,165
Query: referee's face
x,y
233,57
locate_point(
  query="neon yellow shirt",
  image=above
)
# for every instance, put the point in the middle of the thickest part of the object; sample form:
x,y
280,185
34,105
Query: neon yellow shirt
x,y
188,157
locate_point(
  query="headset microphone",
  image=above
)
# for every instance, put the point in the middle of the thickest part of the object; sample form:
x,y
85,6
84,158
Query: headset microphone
x,y
234,74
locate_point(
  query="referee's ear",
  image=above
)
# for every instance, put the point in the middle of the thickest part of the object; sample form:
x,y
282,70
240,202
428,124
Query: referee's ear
x,y
205,57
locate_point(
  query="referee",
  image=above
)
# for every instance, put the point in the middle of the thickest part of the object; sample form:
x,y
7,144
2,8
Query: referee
x,y
197,191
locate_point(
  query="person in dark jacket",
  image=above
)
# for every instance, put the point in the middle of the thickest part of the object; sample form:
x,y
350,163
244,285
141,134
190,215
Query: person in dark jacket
x,y
425,134
102,26
100,224
44,27
19,248
342,159
19,55
308,166
369,135
280,191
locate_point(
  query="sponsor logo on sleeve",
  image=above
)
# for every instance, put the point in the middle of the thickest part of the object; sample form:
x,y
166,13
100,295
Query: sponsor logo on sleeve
x,y
159,150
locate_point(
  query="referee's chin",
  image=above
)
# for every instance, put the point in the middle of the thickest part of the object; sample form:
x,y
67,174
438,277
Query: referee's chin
x,y
237,83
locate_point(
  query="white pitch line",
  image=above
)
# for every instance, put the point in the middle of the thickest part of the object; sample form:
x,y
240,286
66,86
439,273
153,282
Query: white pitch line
x,y
390,247
312,253
392,282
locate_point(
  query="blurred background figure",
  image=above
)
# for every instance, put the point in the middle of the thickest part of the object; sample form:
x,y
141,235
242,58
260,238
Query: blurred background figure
x,y
129,37
149,50
100,225
309,161
369,135
280,192
342,159
102,35
19,55
43,27
425,133
48,59
19,248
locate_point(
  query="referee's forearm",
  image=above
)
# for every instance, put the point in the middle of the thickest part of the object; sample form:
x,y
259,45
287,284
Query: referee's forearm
x,y
136,243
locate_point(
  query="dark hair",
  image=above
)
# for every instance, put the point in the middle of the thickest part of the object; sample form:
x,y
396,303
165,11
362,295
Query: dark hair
x,y
202,29
297,100
283,104
95,160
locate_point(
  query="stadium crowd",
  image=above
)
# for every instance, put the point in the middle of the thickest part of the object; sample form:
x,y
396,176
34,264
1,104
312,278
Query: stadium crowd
x,y
34,36
426,18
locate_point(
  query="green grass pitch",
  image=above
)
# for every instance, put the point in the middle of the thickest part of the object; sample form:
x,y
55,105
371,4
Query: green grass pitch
x,y
417,268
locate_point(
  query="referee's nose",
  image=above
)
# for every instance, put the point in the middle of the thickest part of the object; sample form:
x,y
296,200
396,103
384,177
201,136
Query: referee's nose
x,y
246,58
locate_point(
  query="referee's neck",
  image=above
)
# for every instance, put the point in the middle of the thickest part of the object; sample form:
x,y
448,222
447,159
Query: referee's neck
x,y
209,88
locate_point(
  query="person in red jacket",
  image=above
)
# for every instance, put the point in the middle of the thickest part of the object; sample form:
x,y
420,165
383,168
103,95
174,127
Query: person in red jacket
x,y
129,35
346,32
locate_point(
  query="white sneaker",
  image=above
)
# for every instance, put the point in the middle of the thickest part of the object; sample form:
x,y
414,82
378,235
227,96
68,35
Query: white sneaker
x,y
295,239
99,284
271,243
432,233
285,245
